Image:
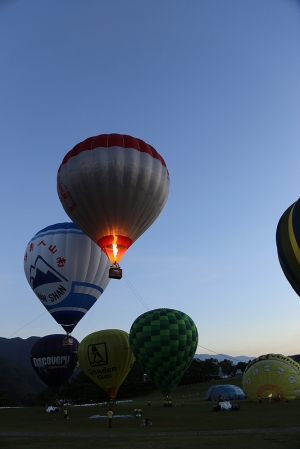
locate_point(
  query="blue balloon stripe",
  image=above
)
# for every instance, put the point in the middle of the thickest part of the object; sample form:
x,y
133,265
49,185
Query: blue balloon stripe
x,y
68,309
65,225
58,232
86,284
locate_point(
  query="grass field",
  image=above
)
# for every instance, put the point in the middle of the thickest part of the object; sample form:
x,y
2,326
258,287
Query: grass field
x,y
266,425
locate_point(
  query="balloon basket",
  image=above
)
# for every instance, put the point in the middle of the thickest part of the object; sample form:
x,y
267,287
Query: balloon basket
x,y
67,341
115,273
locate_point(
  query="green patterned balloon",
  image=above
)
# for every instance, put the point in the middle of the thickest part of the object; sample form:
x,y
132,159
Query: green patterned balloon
x,y
164,342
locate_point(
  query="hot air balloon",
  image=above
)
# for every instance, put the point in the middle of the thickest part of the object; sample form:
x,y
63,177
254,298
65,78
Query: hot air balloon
x,y
105,356
272,376
288,245
67,271
164,342
54,359
113,187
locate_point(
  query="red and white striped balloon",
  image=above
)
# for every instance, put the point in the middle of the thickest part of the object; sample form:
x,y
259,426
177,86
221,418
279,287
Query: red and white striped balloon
x,y
113,187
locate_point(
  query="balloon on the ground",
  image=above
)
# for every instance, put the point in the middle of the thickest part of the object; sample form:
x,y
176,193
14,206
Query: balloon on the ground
x,y
105,356
288,245
113,187
272,375
228,392
54,359
67,271
164,342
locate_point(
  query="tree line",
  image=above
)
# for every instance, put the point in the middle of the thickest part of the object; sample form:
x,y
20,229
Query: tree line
x,y
82,389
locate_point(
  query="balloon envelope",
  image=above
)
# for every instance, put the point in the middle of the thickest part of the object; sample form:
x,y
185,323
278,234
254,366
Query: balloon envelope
x,y
272,374
288,245
53,361
226,391
164,342
67,271
113,187
105,356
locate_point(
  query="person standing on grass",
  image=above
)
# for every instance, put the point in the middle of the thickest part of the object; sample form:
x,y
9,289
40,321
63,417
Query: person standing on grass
x,y
110,415
66,413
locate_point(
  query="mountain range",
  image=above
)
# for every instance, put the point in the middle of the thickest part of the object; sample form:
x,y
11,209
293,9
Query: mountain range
x,y
221,357
18,350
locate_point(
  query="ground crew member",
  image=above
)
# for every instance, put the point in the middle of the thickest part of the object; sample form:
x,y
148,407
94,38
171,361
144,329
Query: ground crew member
x,y
110,415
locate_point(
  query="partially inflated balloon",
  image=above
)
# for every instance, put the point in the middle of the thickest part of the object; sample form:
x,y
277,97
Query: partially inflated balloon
x,y
67,271
164,342
288,245
105,356
54,359
113,187
272,375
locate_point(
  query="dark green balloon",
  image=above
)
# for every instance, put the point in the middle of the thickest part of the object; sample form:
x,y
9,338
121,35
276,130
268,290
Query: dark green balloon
x,y
288,244
164,342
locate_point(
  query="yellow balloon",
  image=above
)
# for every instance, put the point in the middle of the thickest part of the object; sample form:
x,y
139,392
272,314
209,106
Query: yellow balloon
x,y
105,356
274,376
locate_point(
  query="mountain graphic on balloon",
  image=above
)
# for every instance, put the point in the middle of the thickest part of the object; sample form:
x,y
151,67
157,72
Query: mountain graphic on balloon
x,y
42,273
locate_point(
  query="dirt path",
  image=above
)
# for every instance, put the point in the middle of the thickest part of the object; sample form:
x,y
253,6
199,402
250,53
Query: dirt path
x,y
153,434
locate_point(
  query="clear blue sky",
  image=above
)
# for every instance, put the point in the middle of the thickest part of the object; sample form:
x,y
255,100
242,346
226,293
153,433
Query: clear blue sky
x,y
214,86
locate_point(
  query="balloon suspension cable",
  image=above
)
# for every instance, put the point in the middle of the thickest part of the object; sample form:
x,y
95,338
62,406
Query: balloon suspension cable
x,y
27,324
225,355
135,292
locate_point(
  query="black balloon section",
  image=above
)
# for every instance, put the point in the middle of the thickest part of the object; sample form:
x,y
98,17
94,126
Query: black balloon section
x,y
54,359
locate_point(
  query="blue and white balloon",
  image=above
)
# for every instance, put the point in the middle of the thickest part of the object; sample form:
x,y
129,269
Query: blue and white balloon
x,y
67,271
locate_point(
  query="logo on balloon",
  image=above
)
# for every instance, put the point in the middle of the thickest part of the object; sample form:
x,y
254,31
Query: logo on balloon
x,y
49,285
97,354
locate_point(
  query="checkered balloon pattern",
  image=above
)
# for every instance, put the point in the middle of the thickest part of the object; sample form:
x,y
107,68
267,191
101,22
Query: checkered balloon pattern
x,y
164,342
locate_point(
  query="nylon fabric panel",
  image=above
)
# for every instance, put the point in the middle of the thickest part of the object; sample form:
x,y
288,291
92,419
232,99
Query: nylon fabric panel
x,y
272,374
53,361
112,140
105,356
164,342
285,249
296,222
67,271
113,191
105,205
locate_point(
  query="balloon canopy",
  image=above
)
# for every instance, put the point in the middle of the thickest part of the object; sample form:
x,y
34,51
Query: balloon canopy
x,y
67,271
288,245
272,375
227,392
113,187
105,356
54,359
164,342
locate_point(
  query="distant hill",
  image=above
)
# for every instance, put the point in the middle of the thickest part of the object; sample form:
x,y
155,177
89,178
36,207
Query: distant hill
x,y
19,383
18,350
221,357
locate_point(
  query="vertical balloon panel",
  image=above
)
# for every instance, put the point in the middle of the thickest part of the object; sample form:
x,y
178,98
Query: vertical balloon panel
x,y
272,375
288,241
113,187
105,356
67,271
164,342
54,359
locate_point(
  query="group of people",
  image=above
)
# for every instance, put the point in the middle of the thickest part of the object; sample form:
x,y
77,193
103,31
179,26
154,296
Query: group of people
x,y
137,412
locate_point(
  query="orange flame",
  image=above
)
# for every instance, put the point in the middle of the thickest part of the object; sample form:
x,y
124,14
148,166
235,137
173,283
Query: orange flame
x,y
115,250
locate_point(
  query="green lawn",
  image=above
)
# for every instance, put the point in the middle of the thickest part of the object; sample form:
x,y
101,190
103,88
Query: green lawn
x,y
266,425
